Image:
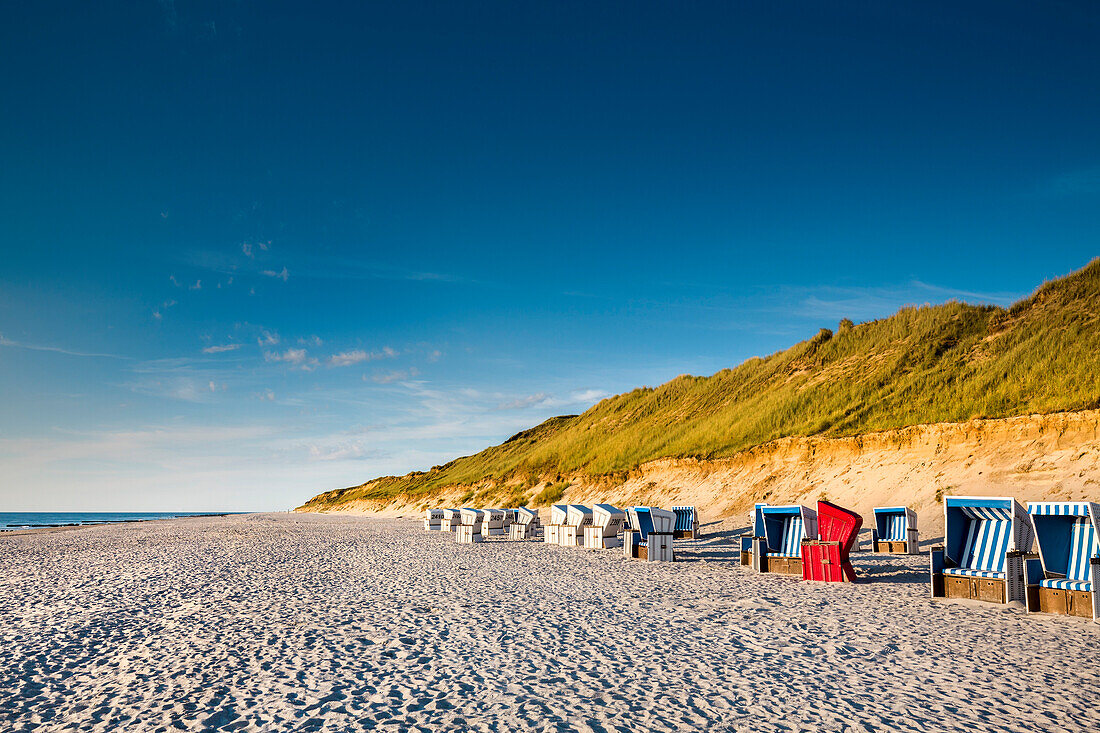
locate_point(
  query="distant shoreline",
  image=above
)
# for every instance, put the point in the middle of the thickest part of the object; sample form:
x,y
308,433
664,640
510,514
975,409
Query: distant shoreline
x,y
39,527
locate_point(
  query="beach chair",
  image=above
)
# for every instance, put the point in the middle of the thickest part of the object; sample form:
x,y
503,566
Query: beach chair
x,y
470,529
552,534
895,531
1065,578
577,517
827,557
452,518
650,534
756,529
687,523
607,524
433,518
982,557
524,523
493,522
779,549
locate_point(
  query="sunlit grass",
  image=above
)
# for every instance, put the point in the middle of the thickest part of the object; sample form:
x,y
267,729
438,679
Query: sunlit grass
x,y
945,363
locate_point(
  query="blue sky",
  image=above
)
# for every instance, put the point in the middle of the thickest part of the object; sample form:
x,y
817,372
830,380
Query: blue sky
x,y
252,251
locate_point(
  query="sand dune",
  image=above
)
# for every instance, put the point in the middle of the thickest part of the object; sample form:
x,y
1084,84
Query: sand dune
x,y
332,623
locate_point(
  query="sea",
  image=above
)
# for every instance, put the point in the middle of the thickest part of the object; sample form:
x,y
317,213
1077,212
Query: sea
x,y
31,520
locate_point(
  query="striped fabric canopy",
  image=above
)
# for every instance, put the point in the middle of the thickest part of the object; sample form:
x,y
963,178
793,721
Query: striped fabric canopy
x,y
1058,509
685,517
987,512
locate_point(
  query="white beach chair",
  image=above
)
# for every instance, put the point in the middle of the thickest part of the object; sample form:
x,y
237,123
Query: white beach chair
x,y
607,524
433,518
524,523
650,534
552,534
470,529
493,522
451,519
577,517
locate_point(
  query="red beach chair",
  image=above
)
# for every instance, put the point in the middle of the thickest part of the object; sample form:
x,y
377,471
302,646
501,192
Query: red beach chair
x,y
826,558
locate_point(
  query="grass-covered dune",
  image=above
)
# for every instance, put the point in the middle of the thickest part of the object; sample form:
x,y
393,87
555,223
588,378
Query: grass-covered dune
x,y
943,363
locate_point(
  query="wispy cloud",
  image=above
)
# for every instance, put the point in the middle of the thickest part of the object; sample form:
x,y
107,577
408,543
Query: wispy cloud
x,y
268,338
398,375
290,356
221,349
56,349
281,275
357,356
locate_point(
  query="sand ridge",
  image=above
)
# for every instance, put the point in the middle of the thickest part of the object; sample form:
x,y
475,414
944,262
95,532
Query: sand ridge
x,y
334,623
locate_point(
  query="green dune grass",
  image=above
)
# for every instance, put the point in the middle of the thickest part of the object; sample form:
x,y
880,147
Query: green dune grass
x,y
942,363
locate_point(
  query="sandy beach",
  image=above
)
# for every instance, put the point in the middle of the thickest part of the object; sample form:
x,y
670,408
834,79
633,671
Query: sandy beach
x,y
332,623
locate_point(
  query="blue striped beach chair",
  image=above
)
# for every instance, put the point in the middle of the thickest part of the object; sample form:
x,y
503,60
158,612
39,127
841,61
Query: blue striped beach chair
x,y
1065,578
649,536
982,557
687,523
895,531
779,548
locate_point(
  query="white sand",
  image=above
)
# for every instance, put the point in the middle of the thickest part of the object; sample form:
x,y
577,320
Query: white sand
x,y
309,622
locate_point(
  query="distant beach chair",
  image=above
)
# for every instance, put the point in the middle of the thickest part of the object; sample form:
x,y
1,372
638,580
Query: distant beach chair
x,y
470,529
524,523
452,518
607,524
551,535
895,531
756,529
1065,578
577,517
982,558
827,558
779,549
433,518
687,523
493,522
650,534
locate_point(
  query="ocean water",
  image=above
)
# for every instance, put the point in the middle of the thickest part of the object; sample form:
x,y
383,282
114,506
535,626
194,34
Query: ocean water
x,y
29,520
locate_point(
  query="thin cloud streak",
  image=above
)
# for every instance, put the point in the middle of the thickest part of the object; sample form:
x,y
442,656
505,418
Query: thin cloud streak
x,y
58,350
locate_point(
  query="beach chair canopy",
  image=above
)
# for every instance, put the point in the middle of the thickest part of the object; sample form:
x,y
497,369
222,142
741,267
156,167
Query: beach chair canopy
x,y
836,524
1067,535
523,515
471,516
433,514
786,526
980,531
894,522
685,518
452,515
558,513
607,516
578,515
647,519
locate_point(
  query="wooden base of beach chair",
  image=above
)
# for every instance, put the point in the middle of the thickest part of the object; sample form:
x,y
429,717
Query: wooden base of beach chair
x,y
465,534
431,526
594,539
892,547
990,590
1056,600
658,548
746,559
783,565
684,534
448,526
521,531
493,532
550,534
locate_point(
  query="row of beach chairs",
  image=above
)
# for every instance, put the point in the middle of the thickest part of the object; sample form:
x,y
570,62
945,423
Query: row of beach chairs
x,y
644,533
986,553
